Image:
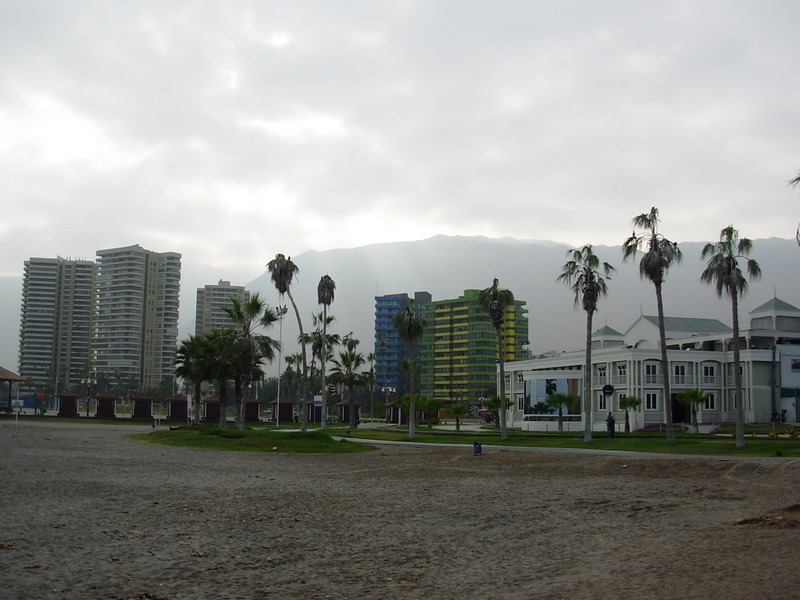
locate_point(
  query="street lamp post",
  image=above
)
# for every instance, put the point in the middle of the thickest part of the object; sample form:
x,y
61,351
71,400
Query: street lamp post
x,y
281,313
88,382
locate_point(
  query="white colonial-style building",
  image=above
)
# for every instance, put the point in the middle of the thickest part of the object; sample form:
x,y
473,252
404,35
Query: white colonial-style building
x,y
700,355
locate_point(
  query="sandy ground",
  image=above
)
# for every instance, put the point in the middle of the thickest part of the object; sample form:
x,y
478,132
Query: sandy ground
x,y
88,513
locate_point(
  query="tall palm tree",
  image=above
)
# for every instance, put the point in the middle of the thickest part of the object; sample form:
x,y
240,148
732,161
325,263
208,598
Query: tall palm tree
x,y
724,274
494,300
794,183
282,272
410,326
252,346
345,371
658,255
586,276
192,364
222,366
326,290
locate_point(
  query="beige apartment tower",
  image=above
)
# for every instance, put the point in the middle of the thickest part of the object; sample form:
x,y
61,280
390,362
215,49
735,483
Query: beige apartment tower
x,y
136,322
211,300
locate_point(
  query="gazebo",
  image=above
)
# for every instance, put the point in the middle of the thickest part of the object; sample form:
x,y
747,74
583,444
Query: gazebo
x,y
11,378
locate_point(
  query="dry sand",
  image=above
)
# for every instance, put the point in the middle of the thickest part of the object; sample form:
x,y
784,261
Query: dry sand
x,y
88,513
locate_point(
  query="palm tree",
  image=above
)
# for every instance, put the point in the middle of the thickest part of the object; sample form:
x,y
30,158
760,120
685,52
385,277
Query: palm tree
x,y
326,290
494,300
586,276
724,273
658,255
795,182
345,371
556,402
627,403
282,272
192,360
430,408
693,398
410,326
222,366
457,411
370,375
252,347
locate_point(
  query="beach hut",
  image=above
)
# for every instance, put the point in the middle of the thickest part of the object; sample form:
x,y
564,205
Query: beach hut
x,y
252,408
395,414
285,411
211,409
178,407
68,404
343,410
142,407
106,406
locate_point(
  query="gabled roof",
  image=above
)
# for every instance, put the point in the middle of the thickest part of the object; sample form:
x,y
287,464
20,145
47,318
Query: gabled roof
x,y
606,331
775,304
689,324
6,375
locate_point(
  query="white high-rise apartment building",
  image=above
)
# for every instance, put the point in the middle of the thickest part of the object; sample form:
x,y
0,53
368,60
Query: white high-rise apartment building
x,y
211,299
136,323
56,322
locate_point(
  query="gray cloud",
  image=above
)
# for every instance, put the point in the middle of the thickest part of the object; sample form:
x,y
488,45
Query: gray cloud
x,y
232,131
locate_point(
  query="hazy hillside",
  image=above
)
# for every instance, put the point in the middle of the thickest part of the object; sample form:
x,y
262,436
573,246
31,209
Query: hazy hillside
x,y
446,266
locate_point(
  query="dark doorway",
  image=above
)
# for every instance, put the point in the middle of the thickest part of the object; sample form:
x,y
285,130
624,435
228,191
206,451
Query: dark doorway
x,y
680,412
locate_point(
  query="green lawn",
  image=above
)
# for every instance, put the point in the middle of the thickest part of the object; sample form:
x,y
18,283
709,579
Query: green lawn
x,y
639,442
250,440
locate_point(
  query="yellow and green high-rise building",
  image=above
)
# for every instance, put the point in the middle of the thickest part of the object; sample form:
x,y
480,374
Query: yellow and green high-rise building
x,y
458,350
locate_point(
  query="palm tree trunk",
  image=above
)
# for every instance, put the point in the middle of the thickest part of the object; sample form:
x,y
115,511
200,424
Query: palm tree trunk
x,y
664,366
587,381
351,408
198,390
323,421
627,422
737,373
503,403
412,404
304,383
223,404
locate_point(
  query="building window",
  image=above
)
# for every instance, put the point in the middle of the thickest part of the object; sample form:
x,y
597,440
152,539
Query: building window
x,y
680,374
709,374
710,403
622,373
601,373
796,364
651,401
602,403
651,373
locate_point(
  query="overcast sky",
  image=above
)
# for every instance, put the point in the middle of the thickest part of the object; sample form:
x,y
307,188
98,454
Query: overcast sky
x,y
230,131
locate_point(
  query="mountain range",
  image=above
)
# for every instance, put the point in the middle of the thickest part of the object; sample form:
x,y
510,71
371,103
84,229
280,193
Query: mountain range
x,y
445,266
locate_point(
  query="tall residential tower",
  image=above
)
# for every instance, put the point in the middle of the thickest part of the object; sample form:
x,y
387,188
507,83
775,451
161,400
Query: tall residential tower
x,y
56,322
136,326
211,300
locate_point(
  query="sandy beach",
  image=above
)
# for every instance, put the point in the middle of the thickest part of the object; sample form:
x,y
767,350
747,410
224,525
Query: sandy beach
x,y
89,513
